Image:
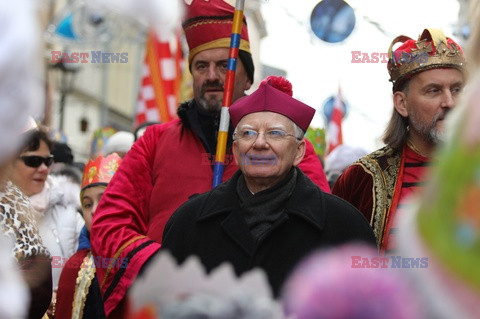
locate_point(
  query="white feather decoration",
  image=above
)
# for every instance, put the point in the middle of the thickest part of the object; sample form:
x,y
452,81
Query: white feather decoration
x,y
21,80
186,291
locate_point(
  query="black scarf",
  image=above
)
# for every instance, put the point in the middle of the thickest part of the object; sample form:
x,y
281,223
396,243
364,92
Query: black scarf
x,y
204,124
262,209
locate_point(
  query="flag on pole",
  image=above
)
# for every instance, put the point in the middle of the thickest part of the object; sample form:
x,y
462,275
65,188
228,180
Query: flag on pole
x,y
334,128
158,96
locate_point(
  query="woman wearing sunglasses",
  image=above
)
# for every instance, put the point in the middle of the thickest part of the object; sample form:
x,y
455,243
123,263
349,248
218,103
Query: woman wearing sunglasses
x,y
54,198
18,227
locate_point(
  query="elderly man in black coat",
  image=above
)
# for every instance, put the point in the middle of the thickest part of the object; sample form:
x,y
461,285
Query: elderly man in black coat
x,y
269,214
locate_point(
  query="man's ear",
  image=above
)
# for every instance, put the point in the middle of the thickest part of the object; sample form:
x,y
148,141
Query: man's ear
x,y
248,85
234,151
400,103
301,147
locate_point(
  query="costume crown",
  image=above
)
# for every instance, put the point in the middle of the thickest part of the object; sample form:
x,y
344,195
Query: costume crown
x,y
432,50
208,25
100,170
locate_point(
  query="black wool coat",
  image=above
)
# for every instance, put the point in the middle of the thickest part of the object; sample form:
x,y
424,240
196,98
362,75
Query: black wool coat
x,y
211,226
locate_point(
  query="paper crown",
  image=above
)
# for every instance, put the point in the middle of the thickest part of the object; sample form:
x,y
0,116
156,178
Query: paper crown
x,y
208,25
100,170
432,50
273,95
187,291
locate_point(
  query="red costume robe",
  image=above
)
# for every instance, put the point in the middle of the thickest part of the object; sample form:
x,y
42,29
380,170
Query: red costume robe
x,y
377,183
78,294
161,171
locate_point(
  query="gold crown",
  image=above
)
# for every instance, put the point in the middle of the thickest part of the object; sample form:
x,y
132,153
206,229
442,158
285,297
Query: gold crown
x,y
432,50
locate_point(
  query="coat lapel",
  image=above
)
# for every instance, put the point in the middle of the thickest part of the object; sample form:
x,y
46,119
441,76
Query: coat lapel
x,y
236,228
234,223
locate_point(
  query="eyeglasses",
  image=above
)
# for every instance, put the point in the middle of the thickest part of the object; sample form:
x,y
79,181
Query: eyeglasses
x,y
270,136
36,161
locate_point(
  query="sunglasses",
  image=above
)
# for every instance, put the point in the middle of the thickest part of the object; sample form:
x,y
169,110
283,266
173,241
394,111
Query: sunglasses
x,y
36,161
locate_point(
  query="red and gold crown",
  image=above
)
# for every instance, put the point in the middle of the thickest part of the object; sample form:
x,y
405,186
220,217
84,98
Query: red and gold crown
x,y
100,170
208,25
432,50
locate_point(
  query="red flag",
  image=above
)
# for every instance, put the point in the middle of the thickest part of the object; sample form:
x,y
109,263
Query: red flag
x,y
158,96
334,130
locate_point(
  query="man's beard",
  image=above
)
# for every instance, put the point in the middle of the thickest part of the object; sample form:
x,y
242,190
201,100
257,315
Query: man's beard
x,y
430,132
213,104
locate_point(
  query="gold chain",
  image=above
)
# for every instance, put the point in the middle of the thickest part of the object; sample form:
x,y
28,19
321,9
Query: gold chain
x,y
415,149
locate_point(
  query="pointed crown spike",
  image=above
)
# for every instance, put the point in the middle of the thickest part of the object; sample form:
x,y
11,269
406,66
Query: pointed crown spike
x,y
432,50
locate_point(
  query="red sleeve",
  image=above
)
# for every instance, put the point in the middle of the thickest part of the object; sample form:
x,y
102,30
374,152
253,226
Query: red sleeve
x,y
119,225
356,187
312,167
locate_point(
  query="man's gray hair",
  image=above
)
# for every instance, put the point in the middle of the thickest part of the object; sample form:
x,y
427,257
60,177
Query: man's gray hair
x,y
298,132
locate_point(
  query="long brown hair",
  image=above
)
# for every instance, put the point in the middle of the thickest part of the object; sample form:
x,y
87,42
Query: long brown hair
x,y
396,133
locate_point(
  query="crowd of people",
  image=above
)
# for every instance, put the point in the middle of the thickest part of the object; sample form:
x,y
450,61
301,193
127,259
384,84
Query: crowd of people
x,y
80,240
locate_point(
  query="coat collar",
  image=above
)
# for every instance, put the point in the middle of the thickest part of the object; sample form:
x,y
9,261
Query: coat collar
x,y
204,125
224,199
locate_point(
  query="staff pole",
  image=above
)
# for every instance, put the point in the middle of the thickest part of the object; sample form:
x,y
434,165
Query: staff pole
x,y
228,93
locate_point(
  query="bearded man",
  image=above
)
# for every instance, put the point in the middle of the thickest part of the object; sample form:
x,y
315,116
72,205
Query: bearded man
x,y
428,77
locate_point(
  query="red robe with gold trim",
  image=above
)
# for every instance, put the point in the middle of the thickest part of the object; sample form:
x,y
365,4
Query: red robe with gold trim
x,y
78,288
373,184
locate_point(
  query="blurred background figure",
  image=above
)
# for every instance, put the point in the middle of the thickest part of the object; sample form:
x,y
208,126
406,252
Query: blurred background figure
x,y
141,129
54,198
328,284
21,96
119,143
62,153
444,223
339,159
79,272
63,162
14,292
99,140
